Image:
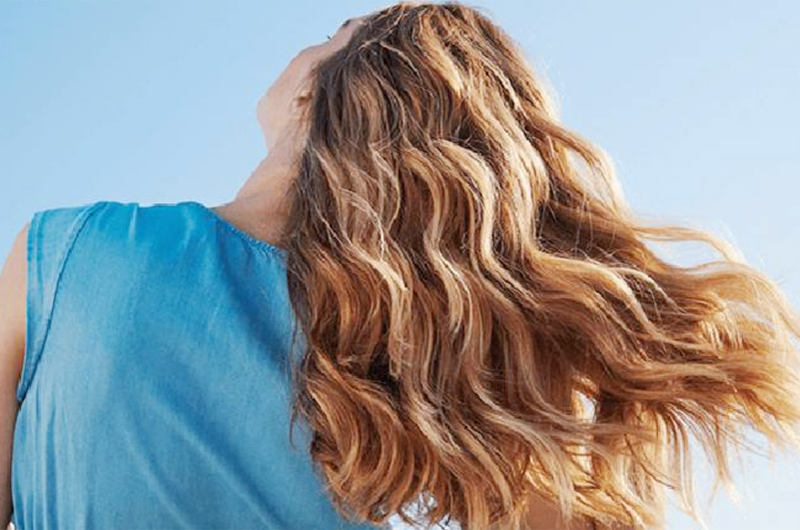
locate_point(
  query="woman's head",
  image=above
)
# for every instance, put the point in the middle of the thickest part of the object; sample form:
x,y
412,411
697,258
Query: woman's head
x,y
277,108
481,315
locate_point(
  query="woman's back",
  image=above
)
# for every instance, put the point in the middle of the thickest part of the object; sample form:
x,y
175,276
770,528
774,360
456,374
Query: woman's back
x,y
155,388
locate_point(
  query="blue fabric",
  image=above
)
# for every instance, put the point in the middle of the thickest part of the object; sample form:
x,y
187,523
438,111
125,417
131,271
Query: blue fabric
x,y
155,387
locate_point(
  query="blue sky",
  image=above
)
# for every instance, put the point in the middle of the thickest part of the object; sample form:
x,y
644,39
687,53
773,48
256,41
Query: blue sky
x,y
696,102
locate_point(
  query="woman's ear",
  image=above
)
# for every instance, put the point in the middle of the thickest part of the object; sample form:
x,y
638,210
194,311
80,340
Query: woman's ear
x,y
300,104
302,98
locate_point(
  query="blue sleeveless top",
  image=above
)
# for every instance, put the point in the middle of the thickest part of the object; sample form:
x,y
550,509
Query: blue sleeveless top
x,y
155,388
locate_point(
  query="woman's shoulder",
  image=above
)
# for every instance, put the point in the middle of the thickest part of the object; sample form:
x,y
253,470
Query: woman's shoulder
x,y
104,234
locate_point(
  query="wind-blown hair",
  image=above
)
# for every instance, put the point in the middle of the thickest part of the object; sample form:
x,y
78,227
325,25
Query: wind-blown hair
x,y
482,317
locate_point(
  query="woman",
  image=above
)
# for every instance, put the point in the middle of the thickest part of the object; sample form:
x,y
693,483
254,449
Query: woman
x,y
482,326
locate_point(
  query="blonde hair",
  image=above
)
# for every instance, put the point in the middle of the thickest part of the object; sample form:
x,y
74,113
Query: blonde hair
x,y
482,317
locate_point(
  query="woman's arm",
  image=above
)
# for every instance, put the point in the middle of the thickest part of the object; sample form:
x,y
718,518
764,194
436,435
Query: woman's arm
x,y
13,284
545,515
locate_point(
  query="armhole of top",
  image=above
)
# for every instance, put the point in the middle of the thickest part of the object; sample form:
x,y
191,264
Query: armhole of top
x,y
51,235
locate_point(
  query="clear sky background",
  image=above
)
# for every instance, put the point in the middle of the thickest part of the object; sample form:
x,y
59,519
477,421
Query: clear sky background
x,y
698,104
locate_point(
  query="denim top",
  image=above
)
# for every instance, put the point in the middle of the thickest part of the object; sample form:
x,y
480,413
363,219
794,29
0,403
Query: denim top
x,y
155,386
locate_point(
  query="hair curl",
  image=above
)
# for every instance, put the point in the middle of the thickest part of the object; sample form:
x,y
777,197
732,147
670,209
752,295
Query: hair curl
x,y
481,316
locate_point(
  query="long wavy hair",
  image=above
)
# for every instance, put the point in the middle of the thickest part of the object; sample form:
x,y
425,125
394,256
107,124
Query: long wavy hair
x,y
482,318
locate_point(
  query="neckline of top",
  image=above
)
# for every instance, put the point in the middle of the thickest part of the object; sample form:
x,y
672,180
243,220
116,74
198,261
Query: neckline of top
x,y
269,247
